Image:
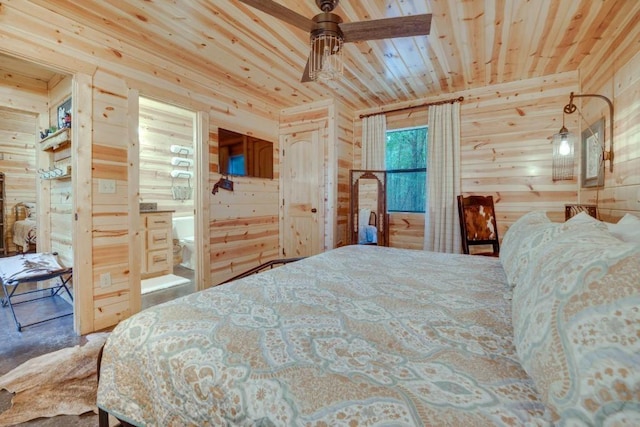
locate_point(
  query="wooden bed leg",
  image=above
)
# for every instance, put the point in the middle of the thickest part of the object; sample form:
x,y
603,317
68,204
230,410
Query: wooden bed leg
x,y
103,418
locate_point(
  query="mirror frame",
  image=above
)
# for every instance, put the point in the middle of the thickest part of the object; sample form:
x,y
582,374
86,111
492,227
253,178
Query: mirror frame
x,y
380,176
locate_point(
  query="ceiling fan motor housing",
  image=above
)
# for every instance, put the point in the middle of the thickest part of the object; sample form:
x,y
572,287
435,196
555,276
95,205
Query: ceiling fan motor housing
x,y
327,5
326,24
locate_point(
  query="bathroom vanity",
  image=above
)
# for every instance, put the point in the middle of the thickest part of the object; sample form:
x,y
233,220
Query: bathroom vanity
x,y
157,247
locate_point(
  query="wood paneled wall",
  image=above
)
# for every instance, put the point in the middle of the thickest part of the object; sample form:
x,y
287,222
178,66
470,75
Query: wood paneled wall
x,y
37,103
110,216
616,75
18,163
56,196
505,150
28,31
161,126
344,163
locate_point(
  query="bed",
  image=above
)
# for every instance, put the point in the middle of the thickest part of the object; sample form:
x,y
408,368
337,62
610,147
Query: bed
x,y
368,335
25,227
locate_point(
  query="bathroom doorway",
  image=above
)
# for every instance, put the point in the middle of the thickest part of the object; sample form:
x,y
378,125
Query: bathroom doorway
x,y
167,188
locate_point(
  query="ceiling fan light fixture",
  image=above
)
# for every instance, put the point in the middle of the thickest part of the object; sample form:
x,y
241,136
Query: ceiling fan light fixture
x,y
326,58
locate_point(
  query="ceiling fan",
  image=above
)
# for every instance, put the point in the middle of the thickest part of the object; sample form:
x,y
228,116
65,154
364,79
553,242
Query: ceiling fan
x,y
328,32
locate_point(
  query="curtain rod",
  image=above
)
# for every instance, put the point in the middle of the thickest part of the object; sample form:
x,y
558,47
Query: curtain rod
x,y
428,104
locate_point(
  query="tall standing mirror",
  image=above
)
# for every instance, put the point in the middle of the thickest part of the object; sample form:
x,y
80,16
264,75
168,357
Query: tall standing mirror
x,y
368,210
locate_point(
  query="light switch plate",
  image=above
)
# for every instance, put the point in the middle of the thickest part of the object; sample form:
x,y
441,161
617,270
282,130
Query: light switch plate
x,y
105,280
107,186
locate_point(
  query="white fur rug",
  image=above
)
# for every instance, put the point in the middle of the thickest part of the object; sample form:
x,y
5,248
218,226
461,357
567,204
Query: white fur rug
x,y
63,382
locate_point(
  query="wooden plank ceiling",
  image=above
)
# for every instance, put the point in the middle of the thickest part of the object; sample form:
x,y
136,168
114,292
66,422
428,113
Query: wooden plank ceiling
x,y
472,43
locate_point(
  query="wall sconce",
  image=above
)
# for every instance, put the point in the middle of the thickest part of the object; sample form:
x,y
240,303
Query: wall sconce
x,y
563,153
570,108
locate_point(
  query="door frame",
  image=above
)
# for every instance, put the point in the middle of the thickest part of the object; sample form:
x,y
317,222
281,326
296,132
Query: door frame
x,y
200,206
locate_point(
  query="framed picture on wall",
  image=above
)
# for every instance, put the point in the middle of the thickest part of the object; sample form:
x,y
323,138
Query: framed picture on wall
x,y
592,149
64,114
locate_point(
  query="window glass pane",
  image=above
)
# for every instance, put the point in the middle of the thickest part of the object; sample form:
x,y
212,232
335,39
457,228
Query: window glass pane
x,y
406,191
406,151
406,148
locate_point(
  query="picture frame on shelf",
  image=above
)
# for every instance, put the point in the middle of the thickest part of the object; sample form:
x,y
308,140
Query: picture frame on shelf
x,y
592,155
64,114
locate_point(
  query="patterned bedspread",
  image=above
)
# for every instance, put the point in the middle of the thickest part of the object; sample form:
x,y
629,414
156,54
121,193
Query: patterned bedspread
x,y
360,335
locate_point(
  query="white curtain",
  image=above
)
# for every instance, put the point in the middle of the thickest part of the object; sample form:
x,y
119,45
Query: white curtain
x,y
442,227
374,139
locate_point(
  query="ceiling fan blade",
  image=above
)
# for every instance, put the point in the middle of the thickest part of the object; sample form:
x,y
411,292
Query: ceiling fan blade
x,y
388,28
276,10
305,75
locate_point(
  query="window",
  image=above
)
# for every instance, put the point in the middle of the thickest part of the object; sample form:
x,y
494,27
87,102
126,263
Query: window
x,y
406,164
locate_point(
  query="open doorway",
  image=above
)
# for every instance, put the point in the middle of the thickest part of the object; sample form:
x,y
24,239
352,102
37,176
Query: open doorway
x,y
167,188
38,190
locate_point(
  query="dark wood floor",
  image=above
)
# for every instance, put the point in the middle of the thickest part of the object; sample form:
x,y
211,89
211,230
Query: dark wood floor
x,y
18,347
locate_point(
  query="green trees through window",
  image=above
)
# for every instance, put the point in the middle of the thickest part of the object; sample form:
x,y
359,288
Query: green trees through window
x,y
406,164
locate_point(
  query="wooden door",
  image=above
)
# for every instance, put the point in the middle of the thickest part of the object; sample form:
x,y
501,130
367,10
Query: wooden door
x,y
302,194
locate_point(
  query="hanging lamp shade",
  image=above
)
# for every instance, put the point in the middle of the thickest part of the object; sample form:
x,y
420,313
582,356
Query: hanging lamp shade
x,y
563,154
326,60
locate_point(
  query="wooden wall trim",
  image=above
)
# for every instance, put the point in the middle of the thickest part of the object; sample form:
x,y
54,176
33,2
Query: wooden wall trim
x,y
202,205
81,135
135,226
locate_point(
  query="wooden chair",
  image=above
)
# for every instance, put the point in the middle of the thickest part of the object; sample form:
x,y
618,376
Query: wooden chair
x,y
573,210
478,224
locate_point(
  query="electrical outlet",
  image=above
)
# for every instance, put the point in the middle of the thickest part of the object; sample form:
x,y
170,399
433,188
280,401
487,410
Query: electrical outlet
x,y
105,280
107,186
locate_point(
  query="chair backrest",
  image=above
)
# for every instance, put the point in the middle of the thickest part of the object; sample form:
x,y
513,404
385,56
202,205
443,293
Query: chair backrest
x,y
573,210
478,223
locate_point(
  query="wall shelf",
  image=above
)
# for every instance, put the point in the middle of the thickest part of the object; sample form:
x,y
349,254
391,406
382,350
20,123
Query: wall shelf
x,y
56,140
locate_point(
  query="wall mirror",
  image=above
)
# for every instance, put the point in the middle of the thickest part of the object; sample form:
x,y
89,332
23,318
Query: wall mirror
x,y
368,209
244,155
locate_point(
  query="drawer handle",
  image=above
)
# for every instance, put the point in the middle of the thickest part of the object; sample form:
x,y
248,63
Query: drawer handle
x,y
159,258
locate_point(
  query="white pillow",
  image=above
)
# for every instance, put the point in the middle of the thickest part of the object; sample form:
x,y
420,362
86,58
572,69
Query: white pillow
x,y
627,229
580,218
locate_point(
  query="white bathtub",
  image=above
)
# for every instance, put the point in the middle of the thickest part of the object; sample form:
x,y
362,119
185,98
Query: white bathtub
x,y
183,230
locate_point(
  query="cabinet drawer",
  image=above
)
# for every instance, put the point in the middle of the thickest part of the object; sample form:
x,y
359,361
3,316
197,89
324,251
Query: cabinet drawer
x,y
158,261
158,239
161,220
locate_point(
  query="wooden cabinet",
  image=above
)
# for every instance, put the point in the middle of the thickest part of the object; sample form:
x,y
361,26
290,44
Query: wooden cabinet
x,y
157,248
